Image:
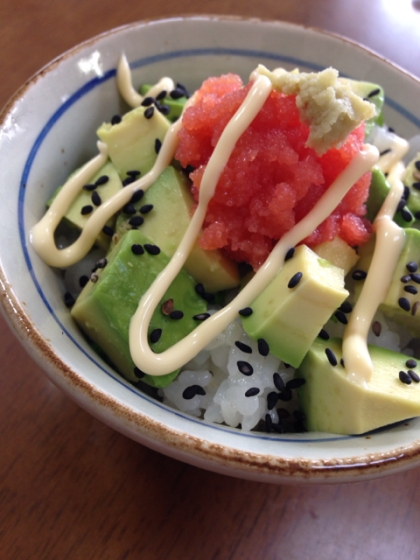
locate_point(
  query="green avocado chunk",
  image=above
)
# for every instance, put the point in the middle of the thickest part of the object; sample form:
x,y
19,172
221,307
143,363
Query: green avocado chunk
x,y
175,106
166,208
132,142
378,191
333,403
77,218
104,308
290,318
412,181
404,312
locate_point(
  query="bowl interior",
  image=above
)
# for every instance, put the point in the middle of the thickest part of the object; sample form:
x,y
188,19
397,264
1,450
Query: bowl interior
x,y
48,130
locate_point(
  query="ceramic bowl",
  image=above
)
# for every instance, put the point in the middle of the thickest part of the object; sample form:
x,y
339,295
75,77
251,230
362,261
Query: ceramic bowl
x,y
48,128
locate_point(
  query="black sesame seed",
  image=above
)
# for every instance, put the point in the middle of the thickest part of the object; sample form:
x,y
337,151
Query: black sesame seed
x,y
245,368
102,263
401,204
272,399
128,180
136,221
252,392
286,395
96,199
412,266
182,88
415,308
152,249
374,92
406,215
410,363
158,145
177,314
359,275
295,383
263,347
411,290
138,195
404,377
137,249
149,112
289,254
138,373
245,312
342,362
294,280
116,119
416,185
147,101
407,192
268,423
108,230
417,164
376,328
384,152
199,288
190,392
413,375
332,358
86,209
341,317
323,334
94,277
346,307
161,95
164,109
133,173
146,208
89,187
177,93
415,278
83,280
405,279
102,180
404,304
201,316
278,382
243,347
68,299
155,335
129,209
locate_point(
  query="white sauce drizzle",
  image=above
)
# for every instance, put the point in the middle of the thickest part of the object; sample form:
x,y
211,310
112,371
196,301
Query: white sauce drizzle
x,y
398,149
127,91
390,239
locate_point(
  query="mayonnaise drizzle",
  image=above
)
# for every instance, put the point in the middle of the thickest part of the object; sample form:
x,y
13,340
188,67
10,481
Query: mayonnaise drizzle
x,y
179,354
390,239
127,91
42,234
397,151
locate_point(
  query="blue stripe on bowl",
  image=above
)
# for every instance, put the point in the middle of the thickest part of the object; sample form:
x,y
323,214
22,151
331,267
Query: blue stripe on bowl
x,y
76,96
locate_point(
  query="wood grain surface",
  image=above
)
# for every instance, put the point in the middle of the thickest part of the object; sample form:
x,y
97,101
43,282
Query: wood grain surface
x,y
72,488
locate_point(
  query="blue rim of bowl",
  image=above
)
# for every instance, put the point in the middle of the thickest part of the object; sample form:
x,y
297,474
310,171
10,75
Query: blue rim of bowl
x,y
72,99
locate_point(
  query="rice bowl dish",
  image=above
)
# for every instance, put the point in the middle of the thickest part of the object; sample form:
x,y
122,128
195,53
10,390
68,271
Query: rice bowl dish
x,y
31,210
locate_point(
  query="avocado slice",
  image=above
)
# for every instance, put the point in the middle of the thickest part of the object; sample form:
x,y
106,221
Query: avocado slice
x,y
378,191
338,253
132,142
333,403
290,318
105,306
175,105
412,181
77,218
401,278
165,224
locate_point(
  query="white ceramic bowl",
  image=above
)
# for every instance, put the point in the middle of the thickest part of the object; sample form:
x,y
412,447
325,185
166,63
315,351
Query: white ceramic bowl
x,y
48,128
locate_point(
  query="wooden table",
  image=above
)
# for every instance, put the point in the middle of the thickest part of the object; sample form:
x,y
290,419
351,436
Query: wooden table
x,y
72,488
